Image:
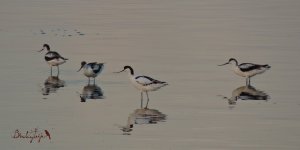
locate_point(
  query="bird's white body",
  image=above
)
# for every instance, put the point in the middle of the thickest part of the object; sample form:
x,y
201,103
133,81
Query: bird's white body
x,y
88,71
56,62
237,70
144,84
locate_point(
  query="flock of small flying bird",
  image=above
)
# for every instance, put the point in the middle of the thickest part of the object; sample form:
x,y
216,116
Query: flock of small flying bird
x,y
145,83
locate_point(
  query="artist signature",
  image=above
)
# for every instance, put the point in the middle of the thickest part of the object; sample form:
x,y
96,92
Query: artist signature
x,y
32,135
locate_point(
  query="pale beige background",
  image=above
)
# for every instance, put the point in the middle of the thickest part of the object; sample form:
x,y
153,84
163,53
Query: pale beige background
x,y
177,41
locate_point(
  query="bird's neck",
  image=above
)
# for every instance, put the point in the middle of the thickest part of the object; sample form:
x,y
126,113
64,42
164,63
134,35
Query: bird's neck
x,y
47,48
233,63
131,72
235,68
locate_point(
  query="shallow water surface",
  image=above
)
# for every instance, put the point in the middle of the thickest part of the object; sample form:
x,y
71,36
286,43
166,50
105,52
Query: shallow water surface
x,y
205,106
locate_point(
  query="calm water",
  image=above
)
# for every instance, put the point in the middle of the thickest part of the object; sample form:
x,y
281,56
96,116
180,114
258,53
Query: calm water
x,y
182,42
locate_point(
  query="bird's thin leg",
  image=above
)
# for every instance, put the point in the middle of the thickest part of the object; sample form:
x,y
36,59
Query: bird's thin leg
x,y
57,70
147,99
249,82
94,81
141,99
51,70
89,81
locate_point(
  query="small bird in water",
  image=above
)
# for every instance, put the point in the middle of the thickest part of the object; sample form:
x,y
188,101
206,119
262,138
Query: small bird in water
x,y
53,58
247,70
91,69
143,83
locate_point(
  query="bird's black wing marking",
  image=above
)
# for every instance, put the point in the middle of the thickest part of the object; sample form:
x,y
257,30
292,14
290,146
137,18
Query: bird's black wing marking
x,y
92,65
248,67
149,78
62,57
145,80
96,67
59,56
53,55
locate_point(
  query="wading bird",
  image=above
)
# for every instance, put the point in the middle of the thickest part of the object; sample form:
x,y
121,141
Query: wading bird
x,y
53,58
91,69
247,70
143,83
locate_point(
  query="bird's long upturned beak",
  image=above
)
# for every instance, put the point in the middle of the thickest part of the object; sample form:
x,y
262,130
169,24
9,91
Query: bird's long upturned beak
x,y
80,68
41,50
224,64
120,71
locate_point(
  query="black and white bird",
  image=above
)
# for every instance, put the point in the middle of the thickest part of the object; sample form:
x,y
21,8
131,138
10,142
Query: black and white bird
x,y
91,69
247,70
53,58
143,83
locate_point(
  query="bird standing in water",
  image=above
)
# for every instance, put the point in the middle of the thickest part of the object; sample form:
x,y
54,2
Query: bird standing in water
x,y
91,69
247,70
53,58
143,83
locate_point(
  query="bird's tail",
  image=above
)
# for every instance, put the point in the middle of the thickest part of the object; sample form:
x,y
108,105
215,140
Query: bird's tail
x,y
267,66
62,57
165,83
160,82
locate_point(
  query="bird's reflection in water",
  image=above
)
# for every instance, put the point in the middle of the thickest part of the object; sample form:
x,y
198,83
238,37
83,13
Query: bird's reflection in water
x,y
91,91
247,93
142,116
52,84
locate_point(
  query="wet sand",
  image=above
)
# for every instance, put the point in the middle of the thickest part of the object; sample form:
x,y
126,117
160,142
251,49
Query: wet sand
x,y
180,42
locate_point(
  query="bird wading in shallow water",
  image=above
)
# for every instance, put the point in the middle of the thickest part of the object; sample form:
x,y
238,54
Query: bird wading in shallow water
x,y
143,83
53,58
247,70
91,69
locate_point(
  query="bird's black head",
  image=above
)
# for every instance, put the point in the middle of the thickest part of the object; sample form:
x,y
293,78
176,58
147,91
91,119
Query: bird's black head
x,y
82,64
230,61
125,68
46,46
